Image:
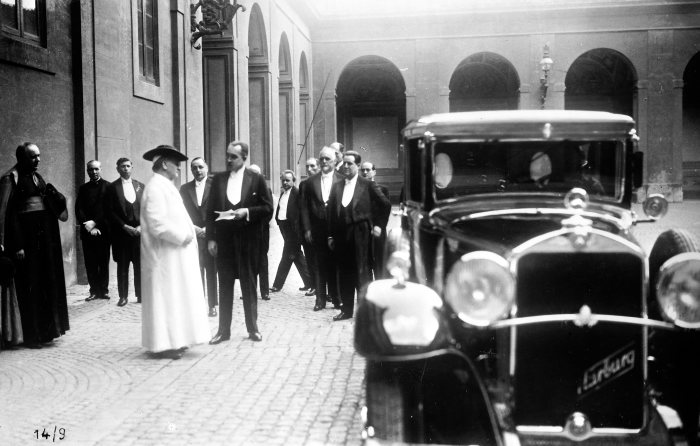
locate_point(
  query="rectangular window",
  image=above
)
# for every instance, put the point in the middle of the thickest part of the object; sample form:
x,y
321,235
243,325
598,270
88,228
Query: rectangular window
x,y
147,40
23,18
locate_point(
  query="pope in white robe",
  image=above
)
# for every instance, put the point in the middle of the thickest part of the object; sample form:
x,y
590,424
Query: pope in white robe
x,y
174,311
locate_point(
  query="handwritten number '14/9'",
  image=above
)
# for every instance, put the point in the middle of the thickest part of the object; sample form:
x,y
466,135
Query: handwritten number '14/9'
x,y
49,435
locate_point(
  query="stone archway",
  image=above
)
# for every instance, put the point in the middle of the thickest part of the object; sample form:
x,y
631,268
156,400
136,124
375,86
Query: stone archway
x,y
259,92
601,79
484,81
371,111
691,129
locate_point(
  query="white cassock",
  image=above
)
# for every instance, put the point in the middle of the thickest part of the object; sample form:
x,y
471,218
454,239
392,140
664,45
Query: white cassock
x,y
174,311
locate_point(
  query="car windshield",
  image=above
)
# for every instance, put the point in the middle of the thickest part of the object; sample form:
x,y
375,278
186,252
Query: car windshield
x,y
542,166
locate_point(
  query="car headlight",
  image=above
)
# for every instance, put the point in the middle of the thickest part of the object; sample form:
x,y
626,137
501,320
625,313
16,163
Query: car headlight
x,y
678,289
399,320
480,288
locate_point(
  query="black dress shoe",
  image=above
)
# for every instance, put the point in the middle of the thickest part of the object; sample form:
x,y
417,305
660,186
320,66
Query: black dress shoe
x,y
91,297
342,316
274,289
103,296
320,303
256,337
310,292
212,312
336,303
265,297
304,288
122,301
219,338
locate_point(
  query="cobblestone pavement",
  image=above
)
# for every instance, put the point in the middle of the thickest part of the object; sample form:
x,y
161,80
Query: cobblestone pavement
x,y
301,385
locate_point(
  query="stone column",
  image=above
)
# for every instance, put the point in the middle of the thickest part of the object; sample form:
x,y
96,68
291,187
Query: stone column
x,y
428,91
664,111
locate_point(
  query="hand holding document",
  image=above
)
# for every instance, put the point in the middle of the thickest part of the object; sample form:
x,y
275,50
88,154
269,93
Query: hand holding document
x,y
231,214
226,215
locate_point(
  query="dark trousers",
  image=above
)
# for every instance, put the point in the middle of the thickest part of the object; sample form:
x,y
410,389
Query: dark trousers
x,y
250,300
96,255
311,264
378,260
207,268
291,253
263,273
127,251
326,272
352,252
236,259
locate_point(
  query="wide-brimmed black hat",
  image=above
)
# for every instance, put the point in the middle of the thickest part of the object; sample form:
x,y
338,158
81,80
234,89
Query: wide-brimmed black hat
x,y
165,151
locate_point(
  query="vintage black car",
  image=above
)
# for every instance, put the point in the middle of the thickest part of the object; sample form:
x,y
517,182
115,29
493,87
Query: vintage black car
x,y
520,309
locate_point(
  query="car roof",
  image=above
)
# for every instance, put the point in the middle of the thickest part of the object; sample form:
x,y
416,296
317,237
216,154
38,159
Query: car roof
x,y
522,124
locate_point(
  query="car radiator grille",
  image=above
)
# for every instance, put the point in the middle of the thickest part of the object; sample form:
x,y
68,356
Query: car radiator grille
x,y
561,368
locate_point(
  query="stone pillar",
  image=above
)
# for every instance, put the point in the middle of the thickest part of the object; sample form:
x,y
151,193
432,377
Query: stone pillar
x,y
642,120
411,110
84,103
428,90
556,97
330,117
526,101
444,99
177,20
664,111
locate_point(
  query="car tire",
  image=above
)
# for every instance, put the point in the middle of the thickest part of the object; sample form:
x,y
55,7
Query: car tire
x,y
676,352
385,405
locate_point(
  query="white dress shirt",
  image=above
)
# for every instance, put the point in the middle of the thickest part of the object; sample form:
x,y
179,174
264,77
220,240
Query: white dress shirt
x,y
284,201
234,186
348,191
326,183
129,193
199,190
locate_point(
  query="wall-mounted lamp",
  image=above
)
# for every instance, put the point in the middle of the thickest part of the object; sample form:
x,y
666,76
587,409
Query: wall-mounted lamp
x,y
216,16
545,65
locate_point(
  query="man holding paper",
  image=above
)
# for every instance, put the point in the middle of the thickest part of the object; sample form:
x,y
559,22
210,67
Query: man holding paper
x,y
239,203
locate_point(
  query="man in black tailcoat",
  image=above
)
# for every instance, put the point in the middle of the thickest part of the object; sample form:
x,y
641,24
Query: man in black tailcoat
x,y
314,217
195,195
357,210
125,213
239,203
90,214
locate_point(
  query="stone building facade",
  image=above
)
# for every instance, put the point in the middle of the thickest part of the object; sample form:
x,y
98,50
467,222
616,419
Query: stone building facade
x,y
101,79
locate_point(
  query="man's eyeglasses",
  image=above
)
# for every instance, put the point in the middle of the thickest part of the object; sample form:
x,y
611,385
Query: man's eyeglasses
x,y
365,170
